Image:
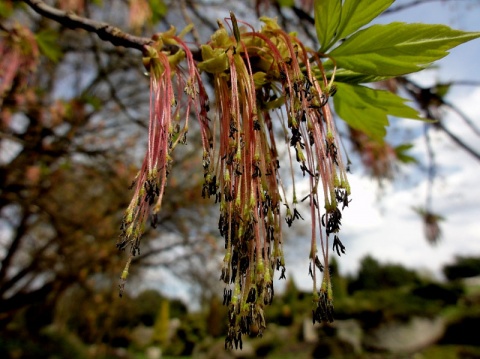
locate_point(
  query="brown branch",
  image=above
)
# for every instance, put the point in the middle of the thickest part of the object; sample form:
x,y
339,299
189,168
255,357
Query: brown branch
x,y
428,100
104,30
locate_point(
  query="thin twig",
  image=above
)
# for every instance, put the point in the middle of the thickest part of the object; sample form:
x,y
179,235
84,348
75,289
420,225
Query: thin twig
x,y
104,30
409,5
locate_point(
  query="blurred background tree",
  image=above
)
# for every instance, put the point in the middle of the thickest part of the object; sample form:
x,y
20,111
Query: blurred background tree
x,y
73,118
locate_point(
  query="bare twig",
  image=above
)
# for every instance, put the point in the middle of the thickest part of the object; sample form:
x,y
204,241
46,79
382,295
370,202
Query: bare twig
x,y
428,101
104,30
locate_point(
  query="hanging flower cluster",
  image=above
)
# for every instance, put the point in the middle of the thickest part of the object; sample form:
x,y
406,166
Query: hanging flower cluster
x,y
255,73
266,82
173,94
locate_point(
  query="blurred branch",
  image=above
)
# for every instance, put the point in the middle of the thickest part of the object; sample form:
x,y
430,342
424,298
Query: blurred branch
x,y
22,299
428,102
463,116
205,21
458,141
104,30
412,4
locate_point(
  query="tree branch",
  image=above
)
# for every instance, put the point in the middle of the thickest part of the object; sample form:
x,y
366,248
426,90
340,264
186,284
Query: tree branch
x,y
105,31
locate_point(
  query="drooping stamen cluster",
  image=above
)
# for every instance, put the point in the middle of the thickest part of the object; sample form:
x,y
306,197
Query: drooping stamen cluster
x,y
255,72
244,182
314,140
172,94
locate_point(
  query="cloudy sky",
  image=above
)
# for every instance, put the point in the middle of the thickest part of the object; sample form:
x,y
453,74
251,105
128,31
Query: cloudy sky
x,y
381,222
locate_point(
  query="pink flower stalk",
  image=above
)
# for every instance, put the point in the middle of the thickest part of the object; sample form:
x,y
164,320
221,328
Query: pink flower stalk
x,y
172,94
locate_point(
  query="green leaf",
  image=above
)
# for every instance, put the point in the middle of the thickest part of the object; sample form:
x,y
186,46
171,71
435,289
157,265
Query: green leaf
x,y
357,13
327,17
351,77
366,109
397,48
47,41
402,155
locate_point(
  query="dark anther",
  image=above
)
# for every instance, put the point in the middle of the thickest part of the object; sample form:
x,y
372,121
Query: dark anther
x,y
205,161
224,295
295,87
345,201
296,138
332,151
268,299
245,324
314,202
256,125
183,141
229,157
227,194
334,221
135,250
308,84
324,100
256,171
332,91
270,233
233,129
305,169
339,195
342,197
310,272
348,167
238,170
132,184
296,214
244,264
304,117
154,220
318,264
289,220
151,191
338,246
311,138
122,245
251,298
282,275
225,276
212,188
324,310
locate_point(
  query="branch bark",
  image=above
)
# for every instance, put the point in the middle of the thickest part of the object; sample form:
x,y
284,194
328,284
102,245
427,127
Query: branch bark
x,y
105,31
